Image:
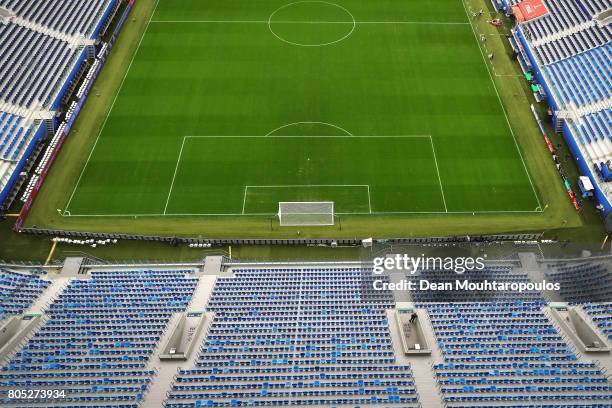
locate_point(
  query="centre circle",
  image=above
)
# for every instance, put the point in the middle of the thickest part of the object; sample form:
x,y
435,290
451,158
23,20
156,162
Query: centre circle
x,y
311,23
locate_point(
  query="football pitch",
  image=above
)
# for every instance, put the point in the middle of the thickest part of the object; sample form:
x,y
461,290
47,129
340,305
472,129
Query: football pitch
x,y
230,107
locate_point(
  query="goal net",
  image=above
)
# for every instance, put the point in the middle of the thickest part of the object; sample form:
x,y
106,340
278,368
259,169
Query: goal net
x,y
306,213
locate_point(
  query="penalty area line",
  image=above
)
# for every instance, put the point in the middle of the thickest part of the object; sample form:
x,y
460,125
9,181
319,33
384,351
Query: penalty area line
x,y
244,199
304,136
178,161
433,149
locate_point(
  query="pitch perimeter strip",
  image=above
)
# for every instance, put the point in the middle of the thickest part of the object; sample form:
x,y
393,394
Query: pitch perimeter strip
x,y
518,149
144,33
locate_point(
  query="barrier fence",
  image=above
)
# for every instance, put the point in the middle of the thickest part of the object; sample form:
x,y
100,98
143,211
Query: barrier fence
x,y
174,240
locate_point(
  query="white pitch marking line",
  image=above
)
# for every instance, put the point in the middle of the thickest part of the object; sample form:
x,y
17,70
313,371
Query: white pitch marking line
x,y
310,123
111,107
518,149
369,200
244,200
353,23
314,137
178,160
433,149
307,185
308,22
266,214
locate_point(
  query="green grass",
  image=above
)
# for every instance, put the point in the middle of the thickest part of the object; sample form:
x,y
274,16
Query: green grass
x,y
402,69
400,78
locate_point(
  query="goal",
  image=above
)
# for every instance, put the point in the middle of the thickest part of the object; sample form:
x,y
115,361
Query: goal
x,y
306,213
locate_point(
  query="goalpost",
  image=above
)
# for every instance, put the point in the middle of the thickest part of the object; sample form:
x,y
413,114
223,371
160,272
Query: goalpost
x,y
312,213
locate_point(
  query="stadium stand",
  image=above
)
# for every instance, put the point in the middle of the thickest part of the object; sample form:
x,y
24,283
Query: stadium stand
x,y
569,51
505,351
16,134
311,334
601,313
305,336
32,65
594,285
593,290
99,336
43,47
74,17
18,290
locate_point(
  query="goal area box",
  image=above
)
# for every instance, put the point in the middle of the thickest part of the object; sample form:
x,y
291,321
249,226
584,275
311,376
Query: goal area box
x,y
310,213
